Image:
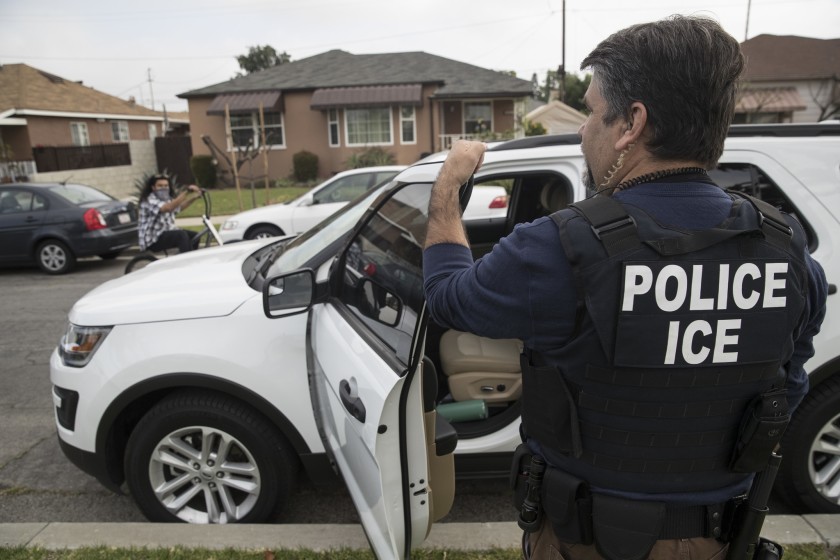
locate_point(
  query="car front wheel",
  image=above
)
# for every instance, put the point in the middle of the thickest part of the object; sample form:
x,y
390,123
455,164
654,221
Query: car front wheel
x,y
261,232
207,458
54,257
809,476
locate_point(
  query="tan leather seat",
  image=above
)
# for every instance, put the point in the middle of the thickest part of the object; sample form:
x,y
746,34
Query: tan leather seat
x,y
481,368
553,196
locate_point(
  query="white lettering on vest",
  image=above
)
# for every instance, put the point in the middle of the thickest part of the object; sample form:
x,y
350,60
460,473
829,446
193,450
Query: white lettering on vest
x,y
723,338
639,280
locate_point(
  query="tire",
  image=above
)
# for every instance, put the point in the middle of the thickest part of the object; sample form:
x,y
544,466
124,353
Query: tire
x,y
809,476
54,257
264,231
248,484
140,261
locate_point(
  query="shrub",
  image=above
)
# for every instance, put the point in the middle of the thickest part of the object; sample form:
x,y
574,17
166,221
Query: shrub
x,y
370,157
533,128
305,166
203,168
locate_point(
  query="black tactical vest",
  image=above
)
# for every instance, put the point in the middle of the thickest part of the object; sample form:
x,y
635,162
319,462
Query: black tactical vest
x,y
677,333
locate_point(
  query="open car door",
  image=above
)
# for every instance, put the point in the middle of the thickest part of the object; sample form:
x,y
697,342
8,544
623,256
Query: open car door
x,y
368,377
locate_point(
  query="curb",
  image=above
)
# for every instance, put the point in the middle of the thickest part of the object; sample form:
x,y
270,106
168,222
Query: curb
x,y
785,529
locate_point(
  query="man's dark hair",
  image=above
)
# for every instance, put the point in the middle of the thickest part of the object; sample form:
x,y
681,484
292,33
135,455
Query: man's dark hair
x,y
685,71
150,183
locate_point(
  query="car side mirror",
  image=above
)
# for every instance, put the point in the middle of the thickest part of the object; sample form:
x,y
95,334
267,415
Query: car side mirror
x,y
289,294
378,303
308,201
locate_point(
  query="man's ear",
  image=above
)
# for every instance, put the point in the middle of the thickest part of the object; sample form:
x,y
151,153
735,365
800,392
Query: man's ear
x,y
635,126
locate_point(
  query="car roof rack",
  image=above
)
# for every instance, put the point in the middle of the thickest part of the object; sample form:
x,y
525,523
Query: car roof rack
x,y
827,128
537,142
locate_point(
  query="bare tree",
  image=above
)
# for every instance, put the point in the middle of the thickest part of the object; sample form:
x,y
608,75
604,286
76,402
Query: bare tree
x,y
826,95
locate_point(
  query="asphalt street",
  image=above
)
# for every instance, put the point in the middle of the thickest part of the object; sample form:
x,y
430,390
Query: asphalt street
x,y
38,484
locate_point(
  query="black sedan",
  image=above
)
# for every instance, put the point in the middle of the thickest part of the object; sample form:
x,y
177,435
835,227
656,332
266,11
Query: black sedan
x,y
53,224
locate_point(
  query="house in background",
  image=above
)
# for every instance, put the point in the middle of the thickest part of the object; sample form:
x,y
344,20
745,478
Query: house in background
x,y
557,117
789,79
336,103
51,125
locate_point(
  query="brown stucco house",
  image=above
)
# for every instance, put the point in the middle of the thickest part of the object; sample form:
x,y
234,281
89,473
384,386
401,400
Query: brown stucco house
x,y
337,103
789,79
41,112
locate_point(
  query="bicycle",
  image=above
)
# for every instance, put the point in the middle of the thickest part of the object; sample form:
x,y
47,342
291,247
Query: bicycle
x,y
205,238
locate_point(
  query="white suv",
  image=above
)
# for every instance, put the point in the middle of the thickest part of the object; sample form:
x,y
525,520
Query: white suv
x,y
174,381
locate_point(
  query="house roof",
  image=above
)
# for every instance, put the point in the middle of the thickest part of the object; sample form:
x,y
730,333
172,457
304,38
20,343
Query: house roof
x,y
787,57
337,68
24,89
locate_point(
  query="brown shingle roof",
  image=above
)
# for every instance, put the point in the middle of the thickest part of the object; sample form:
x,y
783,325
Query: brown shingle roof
x,y
787,57
24,87
337,69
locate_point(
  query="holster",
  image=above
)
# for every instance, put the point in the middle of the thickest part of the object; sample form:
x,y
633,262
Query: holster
x,y
761,430
567,504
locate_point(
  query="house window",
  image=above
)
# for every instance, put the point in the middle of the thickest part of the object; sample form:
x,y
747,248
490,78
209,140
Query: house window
x,y
119,131
245,129
478,117
370,126
152,131
408,124
332,126
79,134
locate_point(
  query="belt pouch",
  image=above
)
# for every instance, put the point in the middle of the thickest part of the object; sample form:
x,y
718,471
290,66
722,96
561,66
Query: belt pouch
x,y
762,427
567,503
626,529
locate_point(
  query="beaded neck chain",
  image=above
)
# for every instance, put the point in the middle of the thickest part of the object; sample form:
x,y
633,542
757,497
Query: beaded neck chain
x,y
648,177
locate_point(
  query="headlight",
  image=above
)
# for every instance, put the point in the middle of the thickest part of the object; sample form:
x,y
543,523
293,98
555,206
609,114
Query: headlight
x,y
230,224
79,344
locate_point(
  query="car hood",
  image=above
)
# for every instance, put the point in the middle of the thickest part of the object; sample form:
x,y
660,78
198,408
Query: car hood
x,y
199,284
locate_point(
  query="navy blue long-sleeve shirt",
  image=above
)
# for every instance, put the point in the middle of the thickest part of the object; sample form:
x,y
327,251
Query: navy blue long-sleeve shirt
x,y
524,288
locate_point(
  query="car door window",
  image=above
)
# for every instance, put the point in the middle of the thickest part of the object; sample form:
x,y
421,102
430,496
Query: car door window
x,y
750,179
13,202
344,189
383,277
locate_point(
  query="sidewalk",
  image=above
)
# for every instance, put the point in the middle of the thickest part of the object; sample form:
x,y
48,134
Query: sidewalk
x,y
784,529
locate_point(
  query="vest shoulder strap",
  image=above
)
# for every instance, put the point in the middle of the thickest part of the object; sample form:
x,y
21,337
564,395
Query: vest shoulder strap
x,y
772,223
610,223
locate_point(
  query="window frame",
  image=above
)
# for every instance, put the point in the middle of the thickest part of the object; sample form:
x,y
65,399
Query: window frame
x,y
254,126
333,127
412,120
488,102
120,132
347,119
79,135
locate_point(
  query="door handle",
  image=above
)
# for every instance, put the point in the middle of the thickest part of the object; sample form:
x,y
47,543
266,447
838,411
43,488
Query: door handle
x,y
30,219
351,402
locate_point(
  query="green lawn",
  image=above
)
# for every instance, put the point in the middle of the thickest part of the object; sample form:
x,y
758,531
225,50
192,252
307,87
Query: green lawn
x,y
226,201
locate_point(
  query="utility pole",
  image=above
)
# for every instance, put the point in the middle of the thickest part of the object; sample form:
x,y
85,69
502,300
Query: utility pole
x,y
747,29
151,93
561,71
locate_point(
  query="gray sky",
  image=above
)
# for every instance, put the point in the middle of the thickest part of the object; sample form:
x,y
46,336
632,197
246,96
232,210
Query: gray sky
x,y
114,46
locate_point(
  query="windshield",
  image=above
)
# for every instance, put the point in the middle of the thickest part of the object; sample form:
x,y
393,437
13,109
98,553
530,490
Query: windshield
x,y
80,194
299,252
